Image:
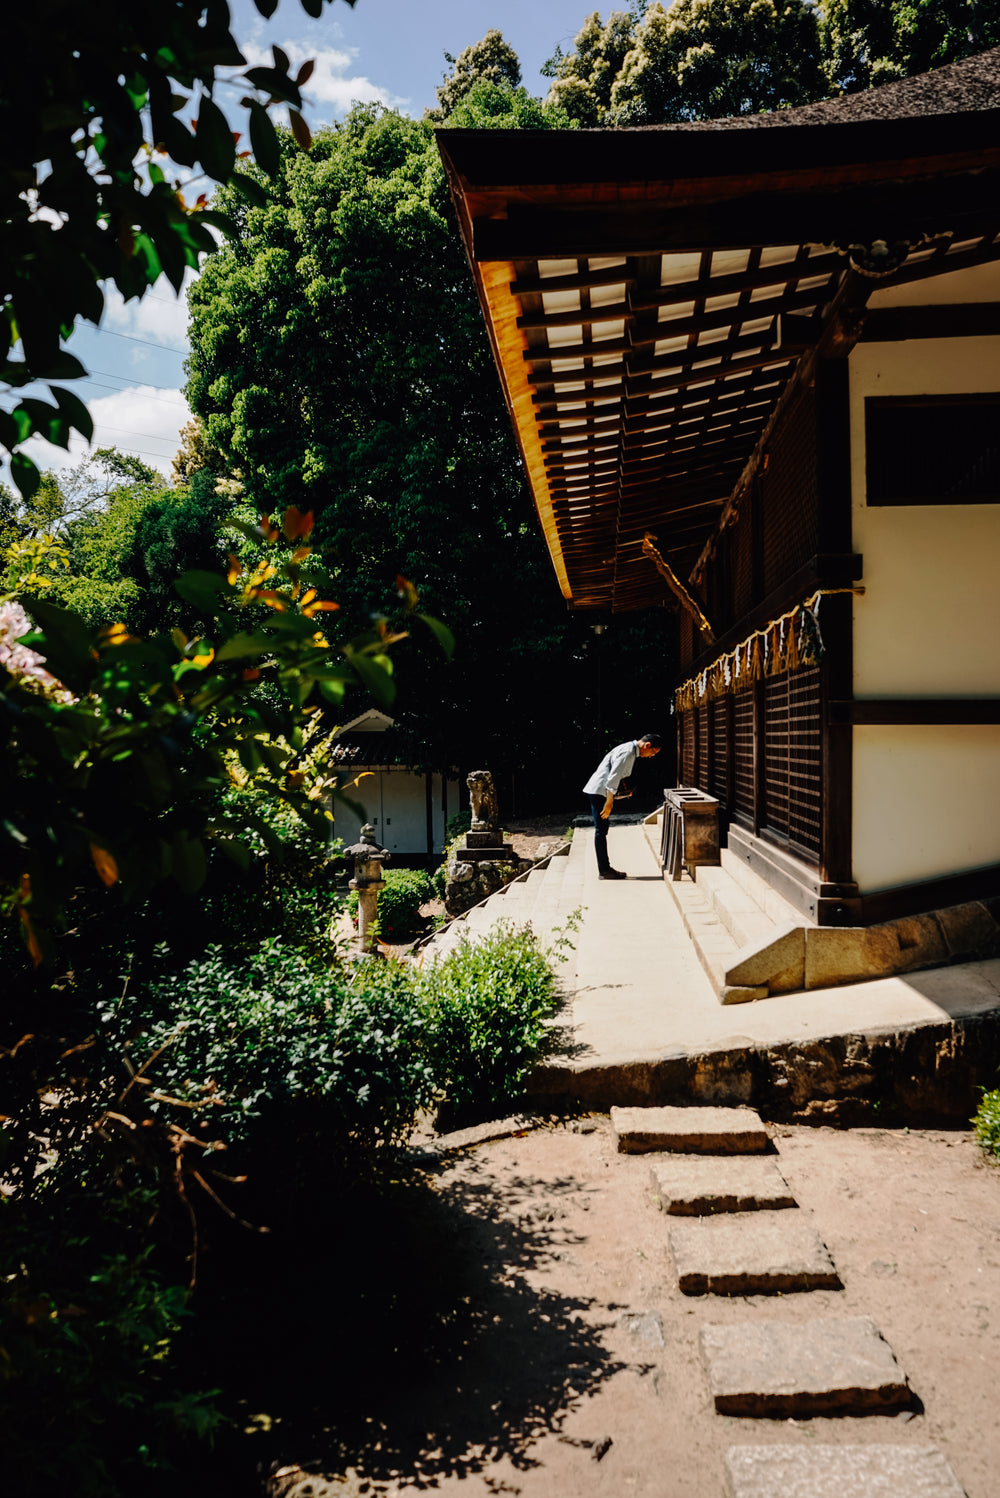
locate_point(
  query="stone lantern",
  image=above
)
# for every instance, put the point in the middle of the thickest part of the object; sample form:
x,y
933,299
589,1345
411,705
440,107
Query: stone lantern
x,y
368,860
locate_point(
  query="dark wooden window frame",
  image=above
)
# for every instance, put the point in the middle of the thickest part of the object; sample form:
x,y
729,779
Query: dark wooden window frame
x,y
882,445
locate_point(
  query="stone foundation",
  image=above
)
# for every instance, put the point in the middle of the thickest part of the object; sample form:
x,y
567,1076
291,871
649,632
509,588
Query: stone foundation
x,y
468,883
928,1076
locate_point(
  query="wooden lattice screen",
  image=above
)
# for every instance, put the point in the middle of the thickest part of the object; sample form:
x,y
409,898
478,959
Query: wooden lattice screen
x,y
792,778
743,772
791,808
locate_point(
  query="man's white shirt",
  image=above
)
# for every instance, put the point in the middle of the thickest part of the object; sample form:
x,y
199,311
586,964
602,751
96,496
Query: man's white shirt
x,y
612,770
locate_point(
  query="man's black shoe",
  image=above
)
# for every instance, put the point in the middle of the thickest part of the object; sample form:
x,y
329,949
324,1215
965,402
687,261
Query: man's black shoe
x,y
613,874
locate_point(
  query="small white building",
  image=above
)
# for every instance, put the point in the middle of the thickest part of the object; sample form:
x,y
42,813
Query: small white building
x,y
408,808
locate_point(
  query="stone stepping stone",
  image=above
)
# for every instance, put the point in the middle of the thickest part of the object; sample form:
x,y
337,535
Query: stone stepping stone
x,y
797,1368
751,1253
690,1186
839,1472
702,1131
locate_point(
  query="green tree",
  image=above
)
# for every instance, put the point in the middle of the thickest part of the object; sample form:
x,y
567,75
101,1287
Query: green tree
x,y
584,78
867,42
95,102
339,361
707,59
491,58
121,538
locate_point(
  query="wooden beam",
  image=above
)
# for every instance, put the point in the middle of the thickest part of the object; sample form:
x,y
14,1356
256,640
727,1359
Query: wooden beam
x,y
917,711
740,283
950,320
582,281
900,210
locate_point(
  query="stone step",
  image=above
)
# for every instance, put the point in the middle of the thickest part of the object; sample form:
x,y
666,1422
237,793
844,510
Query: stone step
x,y
753,944
695,1186
825,1471
764,895
802,1368
751,1253
733,1131
734,906
535,898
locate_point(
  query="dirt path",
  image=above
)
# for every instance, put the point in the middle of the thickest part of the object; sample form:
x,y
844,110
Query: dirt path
x,y
570,1365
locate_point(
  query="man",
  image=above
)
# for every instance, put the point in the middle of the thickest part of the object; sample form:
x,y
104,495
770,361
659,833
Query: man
x,y
601,787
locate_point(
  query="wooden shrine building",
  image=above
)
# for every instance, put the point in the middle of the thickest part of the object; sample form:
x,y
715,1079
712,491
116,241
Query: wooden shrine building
x,y
753,365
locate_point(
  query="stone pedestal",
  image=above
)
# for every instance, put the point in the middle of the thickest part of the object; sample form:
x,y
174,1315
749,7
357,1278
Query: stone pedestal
x,y
368,860
485,863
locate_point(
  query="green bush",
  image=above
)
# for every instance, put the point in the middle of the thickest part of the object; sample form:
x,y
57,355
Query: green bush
x,y
284,1058
987,1123
458,826
488,1002
91,1398
398,903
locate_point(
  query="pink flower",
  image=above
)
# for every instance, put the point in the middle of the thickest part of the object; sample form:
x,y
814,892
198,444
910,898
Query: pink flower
x,y
16,658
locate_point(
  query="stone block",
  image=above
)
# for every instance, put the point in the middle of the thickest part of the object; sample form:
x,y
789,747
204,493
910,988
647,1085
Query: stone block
x,y
751,1253
735,993
734,1131
848,954
854,954
875,1471
967,928
802,1368
695,1186
777,963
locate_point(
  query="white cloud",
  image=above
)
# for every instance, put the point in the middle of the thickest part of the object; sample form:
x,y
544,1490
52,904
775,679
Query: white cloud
x,y
331,82
159,317
139,420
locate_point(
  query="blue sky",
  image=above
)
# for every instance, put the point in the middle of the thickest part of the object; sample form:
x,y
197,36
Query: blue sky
x,y
386,50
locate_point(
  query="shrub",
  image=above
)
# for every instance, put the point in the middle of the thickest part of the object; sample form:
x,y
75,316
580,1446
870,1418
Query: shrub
x,y
285,1059
92,1401
399,903
987,1123
488,1002
458,826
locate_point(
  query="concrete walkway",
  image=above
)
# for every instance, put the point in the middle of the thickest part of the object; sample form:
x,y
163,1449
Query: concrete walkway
x,y
641,1013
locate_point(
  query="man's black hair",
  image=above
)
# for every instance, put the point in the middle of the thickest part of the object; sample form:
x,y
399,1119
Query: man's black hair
x,y
651,738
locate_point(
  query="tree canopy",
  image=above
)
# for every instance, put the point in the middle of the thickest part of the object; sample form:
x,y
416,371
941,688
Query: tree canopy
x,y
584,78
339,362
103,109
867,42
492,59
706,59
108,538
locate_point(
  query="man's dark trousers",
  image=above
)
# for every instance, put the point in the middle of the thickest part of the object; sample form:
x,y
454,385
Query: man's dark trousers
x,y
600,833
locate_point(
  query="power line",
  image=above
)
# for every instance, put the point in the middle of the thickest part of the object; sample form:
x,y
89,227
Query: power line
x,y
110,374
123,390
163,347
128,432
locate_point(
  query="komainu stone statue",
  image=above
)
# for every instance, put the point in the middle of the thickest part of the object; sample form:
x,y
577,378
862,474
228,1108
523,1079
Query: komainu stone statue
x,y
486,862
485,811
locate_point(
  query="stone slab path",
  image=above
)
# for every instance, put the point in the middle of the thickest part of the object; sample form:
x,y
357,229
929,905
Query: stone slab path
x,y
751,1253
730,1131
688,1185
840,1472
735,1229
803,1367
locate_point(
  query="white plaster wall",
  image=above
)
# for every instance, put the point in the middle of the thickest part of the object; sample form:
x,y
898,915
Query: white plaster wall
x,y
980,283
395,803
926,802
928,624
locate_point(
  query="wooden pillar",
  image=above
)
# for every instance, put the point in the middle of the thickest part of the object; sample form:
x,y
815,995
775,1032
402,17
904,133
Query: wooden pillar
x,y
429,807
836,619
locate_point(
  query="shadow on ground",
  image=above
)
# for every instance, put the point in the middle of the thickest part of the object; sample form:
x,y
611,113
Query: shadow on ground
x,y
397,1335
